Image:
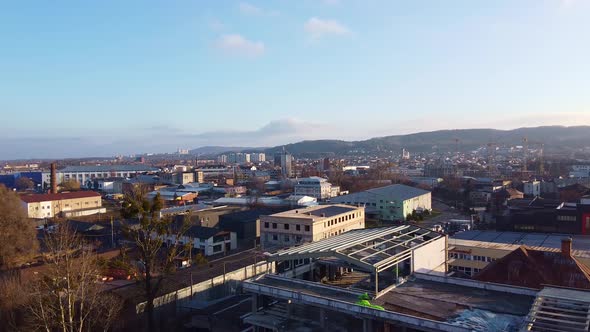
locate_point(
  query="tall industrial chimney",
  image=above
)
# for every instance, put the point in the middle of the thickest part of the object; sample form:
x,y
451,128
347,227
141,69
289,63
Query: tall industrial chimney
x,y
53,178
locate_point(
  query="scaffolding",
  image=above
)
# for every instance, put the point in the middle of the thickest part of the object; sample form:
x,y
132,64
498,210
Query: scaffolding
x,y
559,309
372,250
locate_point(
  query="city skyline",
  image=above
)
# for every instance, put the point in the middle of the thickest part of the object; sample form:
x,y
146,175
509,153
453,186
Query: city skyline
x,y
128,78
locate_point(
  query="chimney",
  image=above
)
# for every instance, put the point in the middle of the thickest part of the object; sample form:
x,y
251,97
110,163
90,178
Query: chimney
x,y
53,178
566,247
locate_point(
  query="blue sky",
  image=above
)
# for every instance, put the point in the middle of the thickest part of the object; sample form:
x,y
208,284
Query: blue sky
x,y
108,77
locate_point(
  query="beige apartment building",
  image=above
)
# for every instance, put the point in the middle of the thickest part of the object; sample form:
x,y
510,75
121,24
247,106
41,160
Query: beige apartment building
x,y
311,224
39,206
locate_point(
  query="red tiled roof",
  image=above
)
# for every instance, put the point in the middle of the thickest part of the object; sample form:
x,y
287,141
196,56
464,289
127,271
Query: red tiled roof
x,y
36,198
533,268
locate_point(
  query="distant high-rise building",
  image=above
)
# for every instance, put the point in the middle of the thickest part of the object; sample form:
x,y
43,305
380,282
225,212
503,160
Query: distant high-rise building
x,y
182,151
257,157
326,164
223,159
405,154
285,161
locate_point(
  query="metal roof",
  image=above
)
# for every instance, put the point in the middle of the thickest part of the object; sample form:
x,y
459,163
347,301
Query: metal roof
x,y
543,240
108,168
372,249
396,192
559,309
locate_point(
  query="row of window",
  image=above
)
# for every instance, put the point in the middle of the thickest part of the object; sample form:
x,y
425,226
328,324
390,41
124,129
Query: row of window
x,y
567,218
361,203
339,220
467,270
287,226
287,238
326,235
468,257
294,263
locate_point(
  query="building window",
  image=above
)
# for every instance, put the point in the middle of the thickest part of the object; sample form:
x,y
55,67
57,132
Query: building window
x,y
298,239
217,248
297,227
307,228
286,226
275,237
266,225
274,225
286,238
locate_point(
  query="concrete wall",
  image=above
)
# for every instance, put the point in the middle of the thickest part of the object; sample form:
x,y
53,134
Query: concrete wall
x,y
431,257
229,281
420,202
478,284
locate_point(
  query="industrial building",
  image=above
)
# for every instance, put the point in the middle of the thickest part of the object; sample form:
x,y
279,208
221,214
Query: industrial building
x,y
309,224
392,203
83,174
472,251
546,216
39,206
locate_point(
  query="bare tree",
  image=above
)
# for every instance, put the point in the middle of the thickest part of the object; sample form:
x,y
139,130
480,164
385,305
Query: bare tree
x,y
24,183
18,237
66,296
12,302
70,185
151,237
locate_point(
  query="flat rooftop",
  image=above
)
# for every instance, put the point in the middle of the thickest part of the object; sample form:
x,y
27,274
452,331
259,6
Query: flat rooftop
x,y
317,212
453,306
512,240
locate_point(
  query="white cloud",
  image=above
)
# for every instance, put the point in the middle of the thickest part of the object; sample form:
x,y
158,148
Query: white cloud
x,y
318,28
251,10
237,45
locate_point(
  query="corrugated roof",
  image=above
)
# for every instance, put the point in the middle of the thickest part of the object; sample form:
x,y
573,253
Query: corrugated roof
x,y
35,198
548,240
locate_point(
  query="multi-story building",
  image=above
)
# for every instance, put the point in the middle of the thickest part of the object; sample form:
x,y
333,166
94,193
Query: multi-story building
x,y
178,177
214,170
309,224
532,188
285,161
39,206
84,173
238,158
223,159
546,216
316,187
209,241
580,171
257,157
391,203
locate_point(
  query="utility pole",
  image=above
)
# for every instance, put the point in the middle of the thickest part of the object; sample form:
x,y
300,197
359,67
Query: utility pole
x,y
112,233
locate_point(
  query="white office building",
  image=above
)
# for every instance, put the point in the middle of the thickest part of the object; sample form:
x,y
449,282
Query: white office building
x,y
316,187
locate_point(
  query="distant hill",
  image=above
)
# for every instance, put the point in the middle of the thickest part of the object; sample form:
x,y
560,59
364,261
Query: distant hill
x,y
210,150
553,137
